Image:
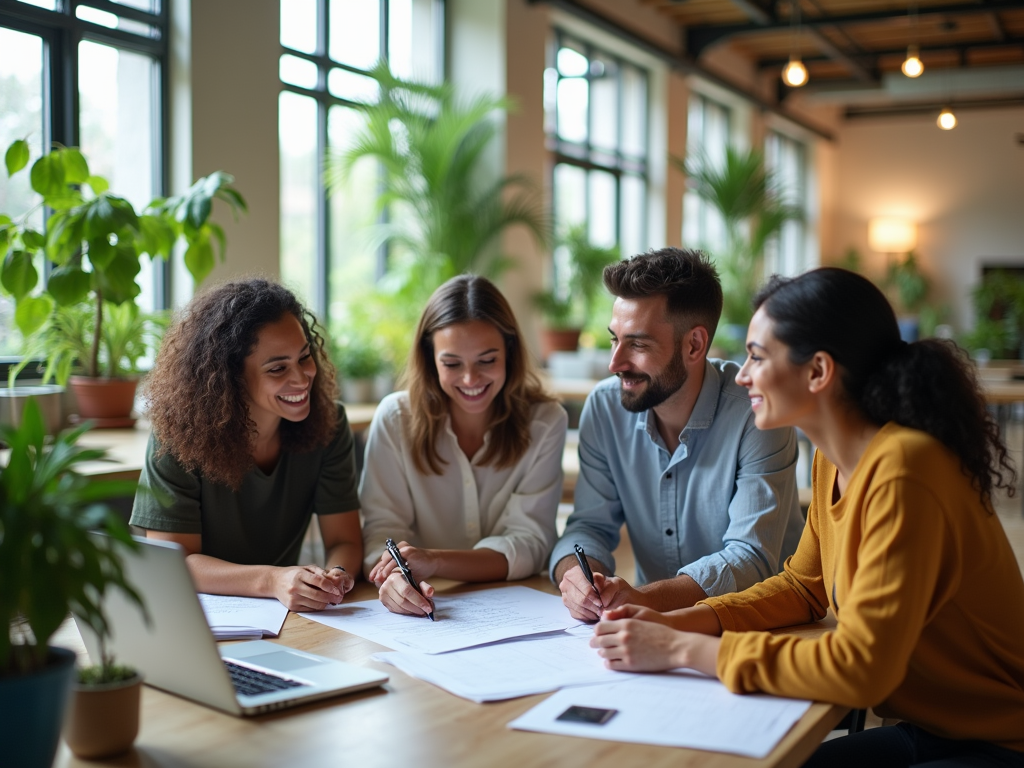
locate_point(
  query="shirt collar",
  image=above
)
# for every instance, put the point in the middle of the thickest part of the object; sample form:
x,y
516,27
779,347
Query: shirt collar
x,y
704,409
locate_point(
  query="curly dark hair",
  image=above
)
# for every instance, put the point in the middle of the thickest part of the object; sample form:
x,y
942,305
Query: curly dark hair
x,y
687,278
836,311
196,391
461,300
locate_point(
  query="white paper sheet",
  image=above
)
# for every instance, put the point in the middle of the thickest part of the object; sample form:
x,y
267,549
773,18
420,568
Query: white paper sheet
x,y
508,669
462,621
234,618
673,710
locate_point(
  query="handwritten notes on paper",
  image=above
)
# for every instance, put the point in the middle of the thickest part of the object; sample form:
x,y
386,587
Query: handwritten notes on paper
x,y
672,710
242,618
462,621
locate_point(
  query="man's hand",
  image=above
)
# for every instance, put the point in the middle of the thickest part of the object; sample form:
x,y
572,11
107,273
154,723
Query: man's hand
x,y
585,602
307,588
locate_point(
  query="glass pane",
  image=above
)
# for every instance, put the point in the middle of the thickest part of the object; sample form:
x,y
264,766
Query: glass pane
x,y
298,25
113,21
50,5
603,209
153,6
353,219
572,109
349,85
570,196
119,128
297,71
21,117
550,99
414,38
632,224
355,32
604,100
297,117
572,63
634,112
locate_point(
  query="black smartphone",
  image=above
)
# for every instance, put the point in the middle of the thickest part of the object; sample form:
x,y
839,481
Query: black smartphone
x,y
589,715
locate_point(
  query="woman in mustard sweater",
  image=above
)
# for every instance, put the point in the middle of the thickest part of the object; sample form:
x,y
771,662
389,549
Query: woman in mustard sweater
x,y
901,543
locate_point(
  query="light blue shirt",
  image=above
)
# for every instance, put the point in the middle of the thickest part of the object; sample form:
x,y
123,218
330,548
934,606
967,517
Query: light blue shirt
x,y
722,508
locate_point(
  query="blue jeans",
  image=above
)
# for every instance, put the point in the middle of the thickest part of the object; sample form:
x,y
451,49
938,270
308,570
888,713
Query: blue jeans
x,y
903,744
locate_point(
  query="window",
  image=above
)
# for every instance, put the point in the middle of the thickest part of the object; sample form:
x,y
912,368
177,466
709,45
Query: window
x,y
596,110
328,254
787,159
90,75
708,128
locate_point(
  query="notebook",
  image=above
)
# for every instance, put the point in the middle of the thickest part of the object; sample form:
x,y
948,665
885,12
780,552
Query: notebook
x,y
177,652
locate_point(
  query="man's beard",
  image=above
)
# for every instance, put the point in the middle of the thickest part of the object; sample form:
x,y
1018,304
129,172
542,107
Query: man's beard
x,y
658,389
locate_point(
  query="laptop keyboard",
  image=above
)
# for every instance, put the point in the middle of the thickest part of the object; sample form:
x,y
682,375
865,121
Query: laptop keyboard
x,y
251,682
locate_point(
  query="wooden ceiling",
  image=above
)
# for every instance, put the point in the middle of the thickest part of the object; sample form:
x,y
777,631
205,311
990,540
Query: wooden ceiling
x,y
856,43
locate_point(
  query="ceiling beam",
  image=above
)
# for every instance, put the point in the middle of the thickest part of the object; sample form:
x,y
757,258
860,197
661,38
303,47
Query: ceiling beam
x,y
932,108
869,57
699,38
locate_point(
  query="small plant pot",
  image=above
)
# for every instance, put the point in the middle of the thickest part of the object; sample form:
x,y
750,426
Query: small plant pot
x,y
358,391
103,720
558,340
107,402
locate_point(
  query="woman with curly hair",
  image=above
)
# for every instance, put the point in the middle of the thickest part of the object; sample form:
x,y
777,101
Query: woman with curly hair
x,y
901,542
464,468
248,443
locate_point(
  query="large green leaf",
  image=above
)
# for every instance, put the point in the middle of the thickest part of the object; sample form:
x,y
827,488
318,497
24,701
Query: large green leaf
x,y
98,184
76,169
19,275
16,157
199,258
33,240
69,284
156,235
31,313
117,281
47,175
64,235
101,252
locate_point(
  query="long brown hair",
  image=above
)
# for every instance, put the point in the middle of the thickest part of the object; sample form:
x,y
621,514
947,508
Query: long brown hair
x,y
461,300
196,391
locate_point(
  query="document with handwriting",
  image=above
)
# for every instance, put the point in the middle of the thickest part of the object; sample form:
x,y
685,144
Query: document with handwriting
x,y
462,621
508,669
672,710
240,618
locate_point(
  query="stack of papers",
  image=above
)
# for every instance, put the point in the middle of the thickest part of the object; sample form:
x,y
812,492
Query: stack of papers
x,y
243,618
673,710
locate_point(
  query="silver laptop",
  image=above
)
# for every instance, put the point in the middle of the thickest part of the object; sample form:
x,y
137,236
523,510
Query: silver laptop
x,y
177,652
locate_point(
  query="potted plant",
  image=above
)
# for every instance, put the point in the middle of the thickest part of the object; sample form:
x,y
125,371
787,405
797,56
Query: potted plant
x,y
49,566
907,287
96,242
998,316
359,361
446,212
754,209
570,307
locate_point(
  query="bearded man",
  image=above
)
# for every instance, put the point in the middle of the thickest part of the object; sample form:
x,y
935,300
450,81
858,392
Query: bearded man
x,y
668,446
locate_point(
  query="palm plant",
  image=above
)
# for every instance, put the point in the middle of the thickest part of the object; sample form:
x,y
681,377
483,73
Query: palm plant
x,y
753,206
446,212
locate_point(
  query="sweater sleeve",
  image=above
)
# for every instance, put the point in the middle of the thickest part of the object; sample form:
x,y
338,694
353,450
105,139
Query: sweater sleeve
x,y
901,553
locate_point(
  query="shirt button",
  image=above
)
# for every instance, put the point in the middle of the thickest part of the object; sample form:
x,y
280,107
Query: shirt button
x,y
668,531
668,476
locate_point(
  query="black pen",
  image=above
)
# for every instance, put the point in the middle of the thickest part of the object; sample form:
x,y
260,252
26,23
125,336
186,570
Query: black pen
x,y
581,556
404,568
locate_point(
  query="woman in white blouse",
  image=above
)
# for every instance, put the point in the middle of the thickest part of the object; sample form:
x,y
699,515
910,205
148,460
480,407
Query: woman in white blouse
x,y
464,469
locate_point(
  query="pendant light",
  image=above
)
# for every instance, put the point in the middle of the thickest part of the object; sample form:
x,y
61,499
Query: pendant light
x,y
912,66
946,119
794,74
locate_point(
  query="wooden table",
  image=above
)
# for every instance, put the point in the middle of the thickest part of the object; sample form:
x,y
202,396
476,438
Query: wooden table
x,y
406,723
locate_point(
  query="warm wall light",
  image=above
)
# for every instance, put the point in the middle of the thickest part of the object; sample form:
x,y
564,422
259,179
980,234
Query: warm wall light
x,y
794,74
888,235
912,66
946,120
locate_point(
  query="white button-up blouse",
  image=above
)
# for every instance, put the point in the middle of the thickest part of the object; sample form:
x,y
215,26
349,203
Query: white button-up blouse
x,y
470,505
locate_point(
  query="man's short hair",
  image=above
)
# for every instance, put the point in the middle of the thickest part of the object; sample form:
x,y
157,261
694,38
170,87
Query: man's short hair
x,y
687,279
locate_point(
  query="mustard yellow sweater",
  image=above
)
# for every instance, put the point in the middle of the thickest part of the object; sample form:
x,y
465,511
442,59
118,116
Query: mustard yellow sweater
x,y
926,590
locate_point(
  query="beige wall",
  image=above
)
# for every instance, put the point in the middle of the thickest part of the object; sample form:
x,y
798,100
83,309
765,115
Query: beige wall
x,y
964,188
224,96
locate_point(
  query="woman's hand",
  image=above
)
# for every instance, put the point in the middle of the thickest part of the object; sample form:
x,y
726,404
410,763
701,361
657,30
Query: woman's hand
x,y
636,639
421,562
310,587
399,597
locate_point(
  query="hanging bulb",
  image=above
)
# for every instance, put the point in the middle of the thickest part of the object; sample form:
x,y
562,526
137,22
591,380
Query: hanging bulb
x,y
794,74
946,120
912,67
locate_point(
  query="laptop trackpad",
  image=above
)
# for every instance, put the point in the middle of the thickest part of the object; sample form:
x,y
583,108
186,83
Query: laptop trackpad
x,y
283,661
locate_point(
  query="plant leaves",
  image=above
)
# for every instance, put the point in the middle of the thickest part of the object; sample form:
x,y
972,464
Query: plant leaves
x,y
32,239
18,274
31,313
98,184
47,175
16,157
76,169
101,252
117,281
69,285
157,236
199,258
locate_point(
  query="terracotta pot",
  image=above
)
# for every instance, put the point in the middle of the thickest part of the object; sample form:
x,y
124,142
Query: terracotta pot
x,y
558,340
103,720
108,402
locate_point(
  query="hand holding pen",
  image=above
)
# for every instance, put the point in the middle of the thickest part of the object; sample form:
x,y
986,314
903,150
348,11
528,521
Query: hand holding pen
x,y
409,597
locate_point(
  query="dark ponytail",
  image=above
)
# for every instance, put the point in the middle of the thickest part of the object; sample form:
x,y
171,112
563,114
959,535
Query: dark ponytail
x,y
928,385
